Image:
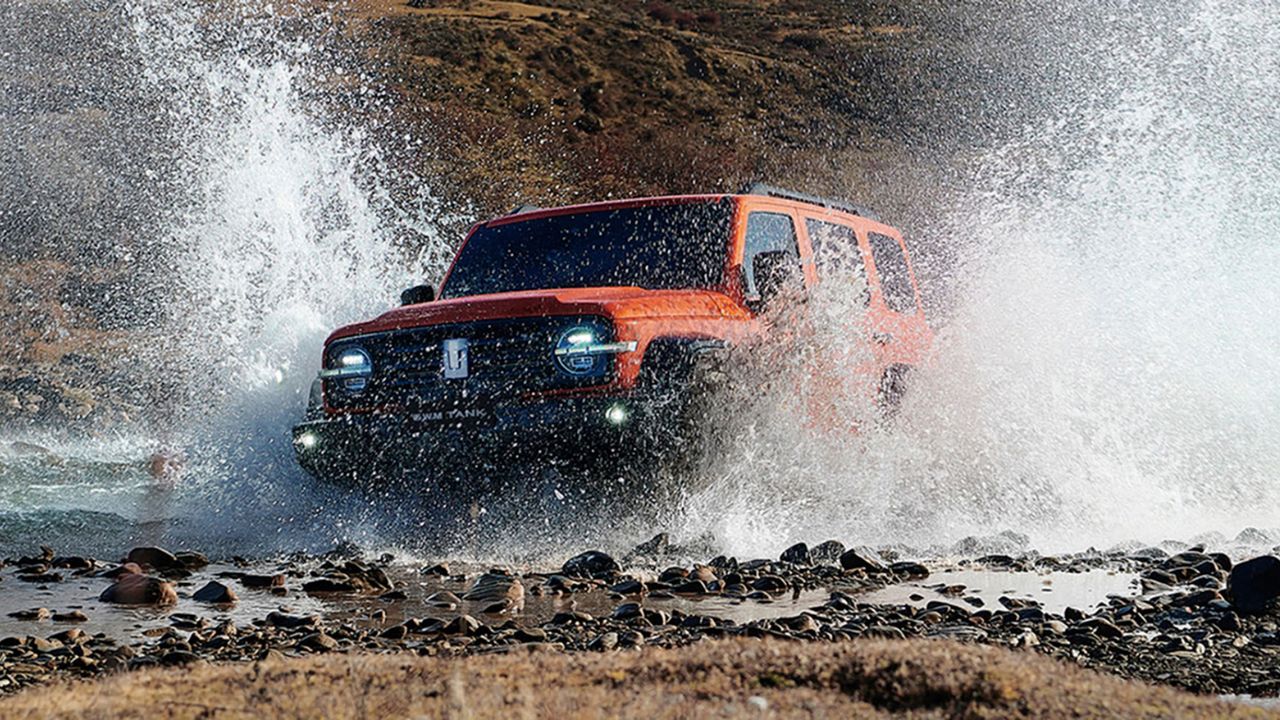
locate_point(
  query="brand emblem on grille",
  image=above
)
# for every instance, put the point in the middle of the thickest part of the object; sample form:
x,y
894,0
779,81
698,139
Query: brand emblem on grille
x,y
457,363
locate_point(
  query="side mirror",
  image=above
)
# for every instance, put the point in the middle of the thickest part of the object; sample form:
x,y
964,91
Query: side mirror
x,y
418,294
773,271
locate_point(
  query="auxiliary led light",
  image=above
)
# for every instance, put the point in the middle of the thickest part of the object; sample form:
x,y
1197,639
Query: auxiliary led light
x,y
617,414
353,358
308,440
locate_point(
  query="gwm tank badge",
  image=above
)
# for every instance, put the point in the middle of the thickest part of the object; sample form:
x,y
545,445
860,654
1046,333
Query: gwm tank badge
x,y
456,359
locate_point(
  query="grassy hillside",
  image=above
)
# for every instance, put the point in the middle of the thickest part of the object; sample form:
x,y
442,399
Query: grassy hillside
x,y
568,100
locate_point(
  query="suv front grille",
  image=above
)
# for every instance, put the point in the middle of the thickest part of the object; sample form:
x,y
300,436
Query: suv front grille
x,y
506,358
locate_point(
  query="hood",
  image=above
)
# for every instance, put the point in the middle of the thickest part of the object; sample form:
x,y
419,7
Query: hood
x,y
616,303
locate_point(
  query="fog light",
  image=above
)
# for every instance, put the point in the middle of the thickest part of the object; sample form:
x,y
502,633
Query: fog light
x,y
617,414
307,440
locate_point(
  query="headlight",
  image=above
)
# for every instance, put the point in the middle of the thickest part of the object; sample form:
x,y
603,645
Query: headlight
x,y
579,351
352,366
571,351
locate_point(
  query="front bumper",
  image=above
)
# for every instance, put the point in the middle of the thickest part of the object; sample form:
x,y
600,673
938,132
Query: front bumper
x,y
561,429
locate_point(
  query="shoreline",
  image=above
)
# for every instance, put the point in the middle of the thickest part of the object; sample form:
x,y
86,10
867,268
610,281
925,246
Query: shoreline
x,y
1167,619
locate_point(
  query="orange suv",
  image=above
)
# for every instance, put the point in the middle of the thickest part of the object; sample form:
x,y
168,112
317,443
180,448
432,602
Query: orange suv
x,y
574,333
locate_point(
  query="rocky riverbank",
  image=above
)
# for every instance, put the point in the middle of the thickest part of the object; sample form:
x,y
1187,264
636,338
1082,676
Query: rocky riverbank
x,y
1191,619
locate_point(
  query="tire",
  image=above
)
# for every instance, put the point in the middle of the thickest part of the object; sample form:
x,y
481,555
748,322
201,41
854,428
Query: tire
x,y
679,386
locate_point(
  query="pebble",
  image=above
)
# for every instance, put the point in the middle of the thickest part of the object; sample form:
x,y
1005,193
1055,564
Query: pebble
x,y
1217,644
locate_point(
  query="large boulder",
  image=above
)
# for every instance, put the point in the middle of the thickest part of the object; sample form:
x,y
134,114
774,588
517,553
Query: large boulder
x,y
590,564
862,558
797,554
133,589
1255,584
827,553
154,557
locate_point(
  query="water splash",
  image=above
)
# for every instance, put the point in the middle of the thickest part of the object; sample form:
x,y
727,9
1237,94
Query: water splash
x,y
283,220
292,229
1108,368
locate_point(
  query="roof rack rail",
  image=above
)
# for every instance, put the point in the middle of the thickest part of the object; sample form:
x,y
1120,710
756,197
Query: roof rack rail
x,y
758,188
522,209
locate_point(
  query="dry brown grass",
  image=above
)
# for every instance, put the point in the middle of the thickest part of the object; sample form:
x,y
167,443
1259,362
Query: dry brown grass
x,y
715,679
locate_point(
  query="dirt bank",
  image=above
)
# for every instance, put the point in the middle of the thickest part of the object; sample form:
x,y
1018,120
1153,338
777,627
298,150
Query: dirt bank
x,y
742,678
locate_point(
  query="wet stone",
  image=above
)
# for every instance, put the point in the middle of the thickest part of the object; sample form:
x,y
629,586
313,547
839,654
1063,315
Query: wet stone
x,y
68,637
605,641
443,600
70,616
261,582
43,578
215,593
862,558
797,554
153,557
34,614
497,588
769,584
626,611
131,589
41,645
703,574
673,575
528,634
909,570
191,560
590,564
654,547
887,632
628,587
329,585
692,587
463,625
396,632
1254,585
318,642
287,621
827,553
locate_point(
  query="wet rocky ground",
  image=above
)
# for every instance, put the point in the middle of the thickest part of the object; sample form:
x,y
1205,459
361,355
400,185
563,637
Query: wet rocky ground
x,y
1175,614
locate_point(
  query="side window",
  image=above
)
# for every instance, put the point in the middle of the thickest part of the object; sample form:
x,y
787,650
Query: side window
x,y
767,232
839,259
891,267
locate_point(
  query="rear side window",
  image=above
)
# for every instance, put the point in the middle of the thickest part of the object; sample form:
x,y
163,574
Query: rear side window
x,y
768,232
839,260
891,267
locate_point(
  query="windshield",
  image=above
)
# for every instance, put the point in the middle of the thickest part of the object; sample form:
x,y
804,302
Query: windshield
x,y
659,248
